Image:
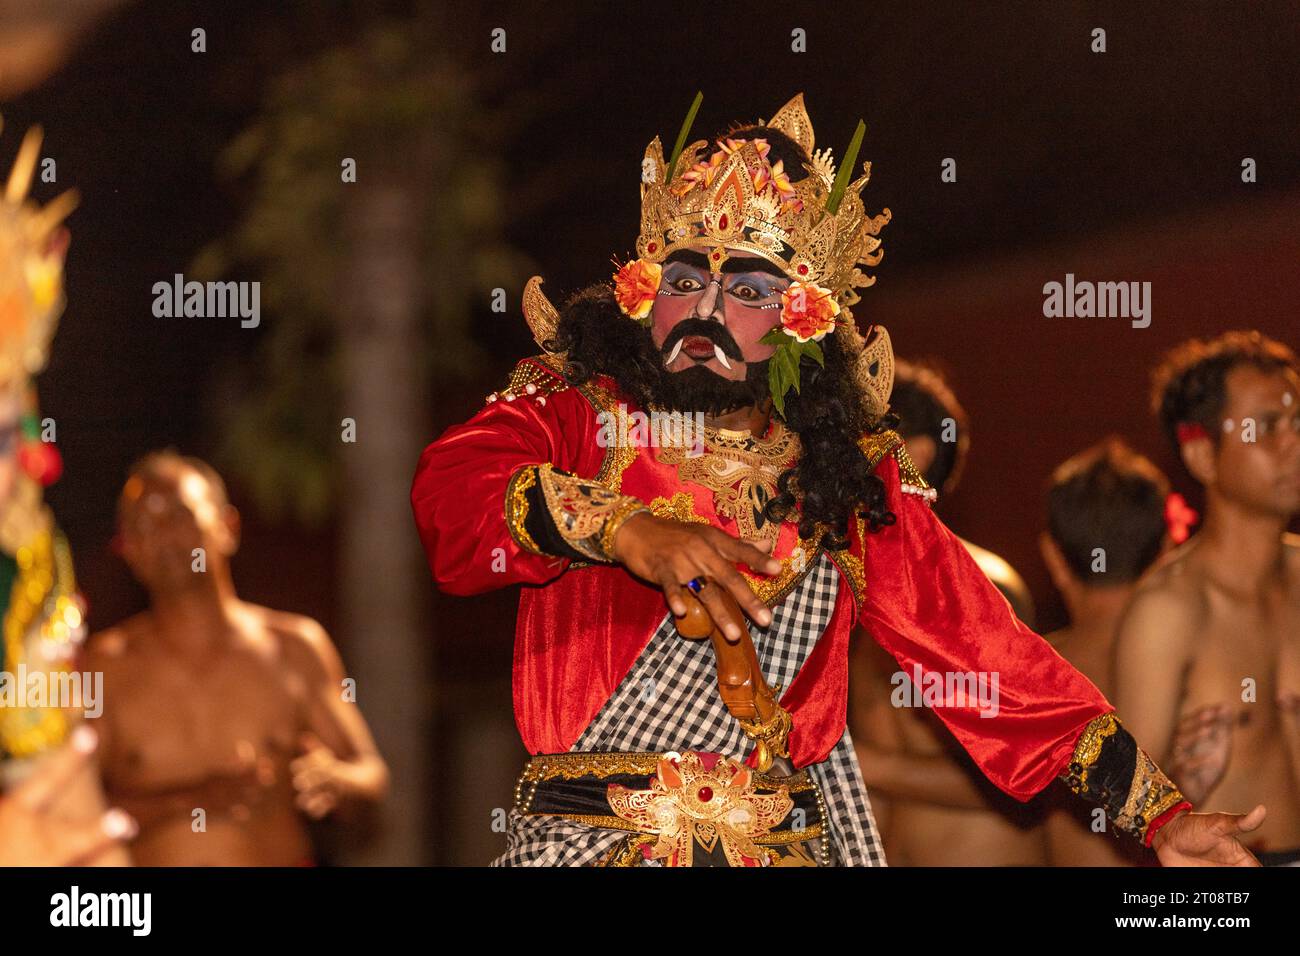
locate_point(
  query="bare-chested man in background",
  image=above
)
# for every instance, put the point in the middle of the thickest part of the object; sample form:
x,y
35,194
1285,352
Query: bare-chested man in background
x,y
215,705
1105,527
933,806
1208,655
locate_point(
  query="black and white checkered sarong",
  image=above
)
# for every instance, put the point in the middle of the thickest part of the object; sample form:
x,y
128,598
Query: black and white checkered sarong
x,y
669,701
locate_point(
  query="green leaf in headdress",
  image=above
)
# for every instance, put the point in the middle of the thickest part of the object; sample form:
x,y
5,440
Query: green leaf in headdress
x,y
846,170
685,131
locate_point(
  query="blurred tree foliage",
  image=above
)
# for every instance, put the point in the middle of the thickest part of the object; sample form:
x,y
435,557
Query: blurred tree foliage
x,y
399,103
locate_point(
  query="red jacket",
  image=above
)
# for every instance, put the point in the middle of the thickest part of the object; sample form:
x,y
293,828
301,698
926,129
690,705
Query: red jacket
x,y
912,585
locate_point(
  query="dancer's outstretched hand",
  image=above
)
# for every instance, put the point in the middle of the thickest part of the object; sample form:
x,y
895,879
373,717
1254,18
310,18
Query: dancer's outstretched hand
x,y
1207,839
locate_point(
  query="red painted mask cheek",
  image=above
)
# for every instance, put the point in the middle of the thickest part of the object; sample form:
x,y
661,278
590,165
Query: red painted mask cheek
x,y
747,326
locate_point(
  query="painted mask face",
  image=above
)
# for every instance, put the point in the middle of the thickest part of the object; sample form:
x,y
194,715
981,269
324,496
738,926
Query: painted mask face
x,y
714,319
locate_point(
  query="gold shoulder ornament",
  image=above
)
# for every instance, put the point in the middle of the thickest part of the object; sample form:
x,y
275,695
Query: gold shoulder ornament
x,y
889,442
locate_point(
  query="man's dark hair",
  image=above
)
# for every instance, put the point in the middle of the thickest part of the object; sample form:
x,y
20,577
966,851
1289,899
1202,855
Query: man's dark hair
x,y
833,479
156,463
1190,383
1113,498
925,405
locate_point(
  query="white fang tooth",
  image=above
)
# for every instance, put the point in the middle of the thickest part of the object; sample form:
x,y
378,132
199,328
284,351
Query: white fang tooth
x,y
717,354
677,350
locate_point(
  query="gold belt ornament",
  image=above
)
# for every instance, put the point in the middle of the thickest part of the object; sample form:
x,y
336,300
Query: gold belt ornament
x,y
692,798
688,802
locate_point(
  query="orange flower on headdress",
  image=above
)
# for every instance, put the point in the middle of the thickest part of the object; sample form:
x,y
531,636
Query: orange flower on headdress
x,y
807,311
635,286
704,171
728,146
776,177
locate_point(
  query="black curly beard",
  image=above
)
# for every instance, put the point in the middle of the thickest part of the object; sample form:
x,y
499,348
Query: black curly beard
x,y
699,388
832,480
599,338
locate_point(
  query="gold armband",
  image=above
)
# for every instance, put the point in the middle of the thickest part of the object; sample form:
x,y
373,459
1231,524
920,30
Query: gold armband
x,y
584,514
1109,768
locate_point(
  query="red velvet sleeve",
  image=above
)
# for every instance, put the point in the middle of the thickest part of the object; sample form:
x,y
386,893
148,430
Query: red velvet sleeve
x,y
459,492
930,606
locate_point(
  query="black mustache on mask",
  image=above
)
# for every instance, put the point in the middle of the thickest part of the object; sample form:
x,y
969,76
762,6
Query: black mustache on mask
x,y
713,331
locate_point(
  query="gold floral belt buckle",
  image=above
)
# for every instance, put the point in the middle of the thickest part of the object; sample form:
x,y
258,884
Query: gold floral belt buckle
x,y
706,799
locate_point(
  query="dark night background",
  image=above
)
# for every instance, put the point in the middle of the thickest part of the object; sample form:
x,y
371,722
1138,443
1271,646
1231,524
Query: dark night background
x,y
1116,166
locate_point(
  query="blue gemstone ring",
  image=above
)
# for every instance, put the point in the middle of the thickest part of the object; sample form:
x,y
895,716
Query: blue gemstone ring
x,y
695,584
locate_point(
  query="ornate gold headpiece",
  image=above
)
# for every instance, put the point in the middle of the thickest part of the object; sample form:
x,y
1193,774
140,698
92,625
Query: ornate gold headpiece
x,y
738,199
31,269
815,230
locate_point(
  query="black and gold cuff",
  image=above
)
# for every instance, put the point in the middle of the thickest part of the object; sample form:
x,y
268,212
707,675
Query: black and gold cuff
x,y
556,513
1110,769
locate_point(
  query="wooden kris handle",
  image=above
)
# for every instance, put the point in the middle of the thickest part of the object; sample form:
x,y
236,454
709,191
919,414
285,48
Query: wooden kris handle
x,y
740,680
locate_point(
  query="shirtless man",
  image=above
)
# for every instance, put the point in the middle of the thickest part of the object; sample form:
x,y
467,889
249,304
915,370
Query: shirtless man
x,y
1106,526
1211,642
933,807
224,722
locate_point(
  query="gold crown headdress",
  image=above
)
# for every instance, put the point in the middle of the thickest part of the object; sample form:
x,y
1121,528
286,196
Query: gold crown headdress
x,y
31,269
811,230
815,230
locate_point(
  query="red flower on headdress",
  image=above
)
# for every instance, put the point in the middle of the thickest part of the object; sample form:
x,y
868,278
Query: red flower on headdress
x,y
1190,431
635,286
807,311
1180,518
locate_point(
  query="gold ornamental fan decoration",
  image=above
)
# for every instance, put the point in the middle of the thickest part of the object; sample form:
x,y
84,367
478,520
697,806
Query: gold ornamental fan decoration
x,y
32,246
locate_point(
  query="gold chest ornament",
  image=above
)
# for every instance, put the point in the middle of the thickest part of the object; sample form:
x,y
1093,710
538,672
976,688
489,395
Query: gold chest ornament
x,y
741,471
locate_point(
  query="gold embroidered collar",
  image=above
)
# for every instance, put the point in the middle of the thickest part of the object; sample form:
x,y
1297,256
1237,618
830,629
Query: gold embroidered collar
x,y
741,470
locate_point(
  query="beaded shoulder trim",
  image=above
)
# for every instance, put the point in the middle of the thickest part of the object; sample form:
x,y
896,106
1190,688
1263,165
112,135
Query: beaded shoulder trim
x,y
878,444
889,442
535,378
